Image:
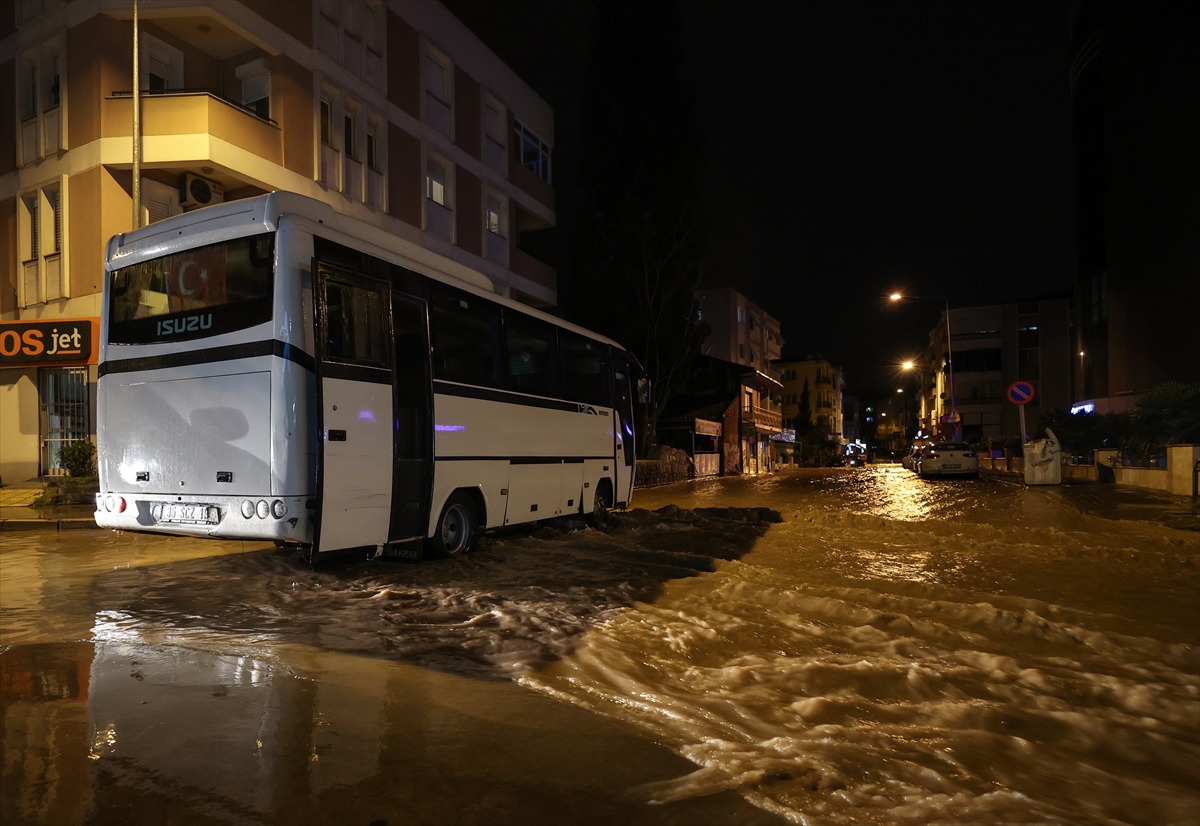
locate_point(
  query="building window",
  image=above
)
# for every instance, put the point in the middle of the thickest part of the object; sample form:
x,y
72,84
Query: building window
x,y
439,185
494,129
439,91
326,122
161,66
348,141
373,146
256,87
741,315
495,214
40,234
39,92
435,182
347,32
376,162
533,152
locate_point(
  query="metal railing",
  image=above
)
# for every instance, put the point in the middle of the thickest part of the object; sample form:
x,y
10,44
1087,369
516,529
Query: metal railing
x,y
189,92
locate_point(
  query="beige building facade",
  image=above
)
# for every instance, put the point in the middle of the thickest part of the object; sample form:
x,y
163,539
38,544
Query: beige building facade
x,y
393,113
826,384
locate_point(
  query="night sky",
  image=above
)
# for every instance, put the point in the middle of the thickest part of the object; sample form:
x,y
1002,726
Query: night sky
x,y
853,149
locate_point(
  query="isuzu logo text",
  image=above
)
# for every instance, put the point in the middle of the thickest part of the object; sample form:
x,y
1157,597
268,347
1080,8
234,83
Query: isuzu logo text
x,y
187,324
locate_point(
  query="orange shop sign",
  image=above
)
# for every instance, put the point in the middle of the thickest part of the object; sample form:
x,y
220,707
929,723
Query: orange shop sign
x,y
49,342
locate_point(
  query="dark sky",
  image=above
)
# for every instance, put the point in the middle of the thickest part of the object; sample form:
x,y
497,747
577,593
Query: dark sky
x,y
853,148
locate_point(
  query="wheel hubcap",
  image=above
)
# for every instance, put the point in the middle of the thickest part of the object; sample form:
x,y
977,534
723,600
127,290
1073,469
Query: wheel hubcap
x,y
455,529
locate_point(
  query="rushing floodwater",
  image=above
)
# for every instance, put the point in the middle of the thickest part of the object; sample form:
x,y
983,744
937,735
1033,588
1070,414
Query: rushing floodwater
x,y
832,647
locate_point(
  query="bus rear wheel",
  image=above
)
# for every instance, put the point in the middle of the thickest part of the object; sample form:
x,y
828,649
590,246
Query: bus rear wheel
x,y
601,519
457,527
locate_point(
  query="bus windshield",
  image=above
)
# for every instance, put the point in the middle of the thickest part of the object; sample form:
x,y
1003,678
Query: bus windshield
x,y
201,292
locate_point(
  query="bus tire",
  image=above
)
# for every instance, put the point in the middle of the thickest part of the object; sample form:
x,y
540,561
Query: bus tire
x,y
457,528
601,518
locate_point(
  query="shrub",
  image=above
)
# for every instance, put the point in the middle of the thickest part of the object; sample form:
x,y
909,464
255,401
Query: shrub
x,y
79,458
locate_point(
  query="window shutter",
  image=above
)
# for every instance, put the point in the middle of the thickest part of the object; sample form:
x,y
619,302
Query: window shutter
x,y
53,197
158,209
160,67
256,88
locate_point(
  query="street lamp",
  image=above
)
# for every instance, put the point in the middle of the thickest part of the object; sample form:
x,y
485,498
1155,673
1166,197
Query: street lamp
x,y
954,417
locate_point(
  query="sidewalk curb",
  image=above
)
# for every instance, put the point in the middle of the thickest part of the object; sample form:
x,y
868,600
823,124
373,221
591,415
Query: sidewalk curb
x,y
48,525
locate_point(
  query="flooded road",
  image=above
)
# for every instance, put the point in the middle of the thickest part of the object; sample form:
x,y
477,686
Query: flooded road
x,y
845,646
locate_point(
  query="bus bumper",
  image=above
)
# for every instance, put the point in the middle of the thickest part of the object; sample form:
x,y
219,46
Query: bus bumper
x,y
271,518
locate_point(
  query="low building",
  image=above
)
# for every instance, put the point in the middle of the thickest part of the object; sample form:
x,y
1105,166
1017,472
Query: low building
x,y
991,347
725,418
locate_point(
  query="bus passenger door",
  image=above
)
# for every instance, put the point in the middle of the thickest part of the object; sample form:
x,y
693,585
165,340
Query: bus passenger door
x,y
412,474
354,406
624,426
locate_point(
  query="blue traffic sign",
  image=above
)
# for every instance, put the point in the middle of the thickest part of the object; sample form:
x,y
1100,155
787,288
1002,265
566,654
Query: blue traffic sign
x,y
1020,392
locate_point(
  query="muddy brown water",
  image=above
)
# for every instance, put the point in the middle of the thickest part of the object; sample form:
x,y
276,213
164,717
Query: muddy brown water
x,y
846,646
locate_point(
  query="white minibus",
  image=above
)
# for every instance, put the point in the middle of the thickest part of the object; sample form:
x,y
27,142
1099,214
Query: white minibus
x,y
270,369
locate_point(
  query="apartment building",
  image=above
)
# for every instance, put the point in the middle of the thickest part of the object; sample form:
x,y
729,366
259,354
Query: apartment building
x,y
739,331
391,111
825,383
991,347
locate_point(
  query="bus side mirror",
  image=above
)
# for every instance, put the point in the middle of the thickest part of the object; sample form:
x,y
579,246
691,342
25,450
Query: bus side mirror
x,y
643,390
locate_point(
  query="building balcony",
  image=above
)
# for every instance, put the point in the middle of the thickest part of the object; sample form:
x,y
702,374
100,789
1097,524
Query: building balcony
x,y
539,272
766,418
172,120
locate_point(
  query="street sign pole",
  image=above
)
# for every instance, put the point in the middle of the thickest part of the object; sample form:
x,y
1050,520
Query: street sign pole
x,y
1024,437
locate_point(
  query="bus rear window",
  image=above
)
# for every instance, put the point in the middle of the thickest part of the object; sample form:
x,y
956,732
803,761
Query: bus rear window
x,y
202,292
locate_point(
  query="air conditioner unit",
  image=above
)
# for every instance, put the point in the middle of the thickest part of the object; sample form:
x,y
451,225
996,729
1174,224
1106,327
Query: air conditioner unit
x,y
195,191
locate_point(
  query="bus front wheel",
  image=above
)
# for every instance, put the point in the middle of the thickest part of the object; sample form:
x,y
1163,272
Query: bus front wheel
x,y
457,527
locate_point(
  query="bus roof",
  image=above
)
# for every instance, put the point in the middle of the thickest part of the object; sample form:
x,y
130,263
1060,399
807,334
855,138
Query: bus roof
x,y
246,216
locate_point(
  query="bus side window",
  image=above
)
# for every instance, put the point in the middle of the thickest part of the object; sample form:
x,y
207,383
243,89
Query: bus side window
x,y
355,321
585,370
466,338
532,360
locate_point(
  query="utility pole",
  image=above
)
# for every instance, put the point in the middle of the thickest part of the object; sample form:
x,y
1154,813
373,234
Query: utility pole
x,y
137,127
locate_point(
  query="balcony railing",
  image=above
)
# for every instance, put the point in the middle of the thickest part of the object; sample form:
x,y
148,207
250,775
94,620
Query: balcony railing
x,y
146,93
766,418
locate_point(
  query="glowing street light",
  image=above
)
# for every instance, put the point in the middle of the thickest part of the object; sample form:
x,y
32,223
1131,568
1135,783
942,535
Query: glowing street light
x,y
954,417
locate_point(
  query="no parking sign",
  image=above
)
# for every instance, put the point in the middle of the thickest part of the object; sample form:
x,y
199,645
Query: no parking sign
x,y
1020,392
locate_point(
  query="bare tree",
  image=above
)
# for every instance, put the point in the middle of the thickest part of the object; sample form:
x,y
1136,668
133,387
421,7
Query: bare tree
x,y
640,231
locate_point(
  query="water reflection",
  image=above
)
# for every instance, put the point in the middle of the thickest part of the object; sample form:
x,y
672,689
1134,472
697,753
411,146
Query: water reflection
x,y
136,731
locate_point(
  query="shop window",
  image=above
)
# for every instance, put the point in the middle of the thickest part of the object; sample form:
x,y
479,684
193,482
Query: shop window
x,y
64,413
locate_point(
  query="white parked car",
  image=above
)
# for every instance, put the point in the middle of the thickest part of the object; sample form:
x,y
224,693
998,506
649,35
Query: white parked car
x,y
948,458
909,461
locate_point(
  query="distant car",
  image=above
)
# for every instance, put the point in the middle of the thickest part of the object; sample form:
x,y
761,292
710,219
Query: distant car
x,y
856,460
946,459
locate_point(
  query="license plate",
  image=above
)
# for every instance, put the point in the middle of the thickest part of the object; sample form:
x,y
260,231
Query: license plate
x,y
192,514
951,467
